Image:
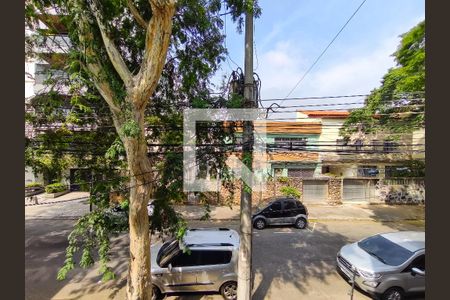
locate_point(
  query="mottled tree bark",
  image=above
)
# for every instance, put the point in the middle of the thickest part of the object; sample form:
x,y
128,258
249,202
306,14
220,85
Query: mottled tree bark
x,y
139,89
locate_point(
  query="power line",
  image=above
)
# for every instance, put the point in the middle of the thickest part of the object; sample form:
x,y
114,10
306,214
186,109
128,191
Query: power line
x,y
225,44
283,107
344,110
388,114
326,48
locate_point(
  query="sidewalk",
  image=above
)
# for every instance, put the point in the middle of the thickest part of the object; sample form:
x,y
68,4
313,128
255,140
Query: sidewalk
x,y
74,205
360,212
64,198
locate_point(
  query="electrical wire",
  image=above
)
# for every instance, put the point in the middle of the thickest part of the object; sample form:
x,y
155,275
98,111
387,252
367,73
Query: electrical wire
x,y
326,48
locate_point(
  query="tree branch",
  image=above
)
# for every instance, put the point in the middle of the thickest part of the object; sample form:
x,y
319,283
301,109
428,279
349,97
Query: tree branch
x,y
92,64
113,54
137,16
157,41
102,86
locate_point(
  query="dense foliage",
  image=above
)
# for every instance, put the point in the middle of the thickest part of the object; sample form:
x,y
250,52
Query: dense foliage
x,y
75,127
290,191
56,187
398,105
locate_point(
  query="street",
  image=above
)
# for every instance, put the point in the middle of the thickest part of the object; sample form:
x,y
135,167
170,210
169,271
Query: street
x,y
288,263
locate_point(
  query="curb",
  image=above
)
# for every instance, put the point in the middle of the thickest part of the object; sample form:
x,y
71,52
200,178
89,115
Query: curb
x,y
235,219
49,218
319,219
56,202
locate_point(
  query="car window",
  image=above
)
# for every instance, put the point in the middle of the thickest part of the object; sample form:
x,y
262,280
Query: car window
x,y
201,258
419,262
214,257
299,204
276,206
185,259
289,204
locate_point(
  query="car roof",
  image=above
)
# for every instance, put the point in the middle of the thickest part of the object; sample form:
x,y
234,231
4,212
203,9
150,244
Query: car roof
x,y
411,240
211,237
272,199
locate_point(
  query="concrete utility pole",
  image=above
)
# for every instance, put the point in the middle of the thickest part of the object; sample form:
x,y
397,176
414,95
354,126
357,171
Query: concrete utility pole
x,y
244,291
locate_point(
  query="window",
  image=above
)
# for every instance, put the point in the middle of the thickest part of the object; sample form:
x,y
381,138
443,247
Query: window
x,y
44,71
377,145
340,144
358,145
389,146
278,171
186,259
419,262
216,257
397,171
276,206
325,169
303,173
385,250
291,142
289,205
41,73
202,258
367,171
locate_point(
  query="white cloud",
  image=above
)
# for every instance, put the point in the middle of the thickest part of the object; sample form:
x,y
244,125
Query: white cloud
x,y
282,67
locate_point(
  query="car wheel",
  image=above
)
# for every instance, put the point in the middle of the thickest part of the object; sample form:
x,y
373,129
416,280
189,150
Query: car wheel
x,y
156,293
394,293
259,224
229,290
301,223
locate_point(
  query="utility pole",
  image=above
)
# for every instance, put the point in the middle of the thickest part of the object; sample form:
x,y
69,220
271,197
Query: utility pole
x,y
244,291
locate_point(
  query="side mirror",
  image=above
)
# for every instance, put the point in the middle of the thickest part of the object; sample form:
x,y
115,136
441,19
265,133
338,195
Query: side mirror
x,y
418,271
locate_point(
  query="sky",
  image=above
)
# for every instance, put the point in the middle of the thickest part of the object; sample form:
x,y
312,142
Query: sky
x,y
290,34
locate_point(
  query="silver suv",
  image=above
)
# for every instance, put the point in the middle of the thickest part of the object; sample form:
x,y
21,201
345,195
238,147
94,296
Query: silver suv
x,y
204,261
387,266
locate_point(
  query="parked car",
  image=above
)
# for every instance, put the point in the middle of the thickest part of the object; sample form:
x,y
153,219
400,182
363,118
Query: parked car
x,y
281,211
387,266
205,260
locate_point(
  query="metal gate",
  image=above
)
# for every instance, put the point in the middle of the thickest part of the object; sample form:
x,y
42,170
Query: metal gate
x,y
315,190
357,190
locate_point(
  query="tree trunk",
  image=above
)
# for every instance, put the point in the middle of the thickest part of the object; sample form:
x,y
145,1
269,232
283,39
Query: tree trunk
x,y
139,276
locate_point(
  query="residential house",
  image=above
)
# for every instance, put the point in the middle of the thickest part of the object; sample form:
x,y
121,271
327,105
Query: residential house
x,y
363,160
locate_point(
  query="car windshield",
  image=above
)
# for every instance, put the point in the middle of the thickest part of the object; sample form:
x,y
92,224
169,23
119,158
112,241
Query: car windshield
x,y
385,250
167,251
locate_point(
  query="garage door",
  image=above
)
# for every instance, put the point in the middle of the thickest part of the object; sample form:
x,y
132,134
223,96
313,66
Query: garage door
x,y
358,190
315,190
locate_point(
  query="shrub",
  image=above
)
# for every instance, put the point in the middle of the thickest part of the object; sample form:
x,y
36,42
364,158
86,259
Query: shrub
x,y
290,191
55,188
283,179
33,184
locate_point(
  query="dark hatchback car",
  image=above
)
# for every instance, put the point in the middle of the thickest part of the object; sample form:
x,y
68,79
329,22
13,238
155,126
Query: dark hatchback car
x,y
281,211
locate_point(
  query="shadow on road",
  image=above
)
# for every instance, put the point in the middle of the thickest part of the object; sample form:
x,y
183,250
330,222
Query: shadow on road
x,y
399,217
296,267
45,245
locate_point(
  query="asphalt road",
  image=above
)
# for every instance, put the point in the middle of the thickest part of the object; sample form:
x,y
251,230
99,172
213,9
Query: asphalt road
x,y
288,263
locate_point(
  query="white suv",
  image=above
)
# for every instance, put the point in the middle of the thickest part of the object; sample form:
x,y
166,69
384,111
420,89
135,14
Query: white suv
x,y
204,261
